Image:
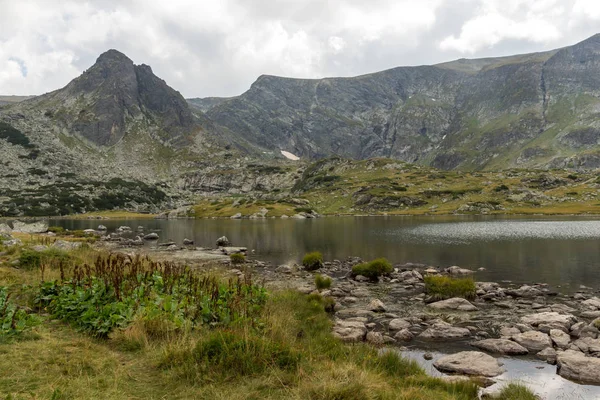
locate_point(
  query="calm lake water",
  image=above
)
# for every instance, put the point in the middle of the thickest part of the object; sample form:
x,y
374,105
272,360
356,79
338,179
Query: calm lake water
x,y
560,251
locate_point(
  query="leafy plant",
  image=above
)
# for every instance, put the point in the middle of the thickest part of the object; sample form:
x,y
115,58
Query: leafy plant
x,y
312,261
111,293
373,269
13,319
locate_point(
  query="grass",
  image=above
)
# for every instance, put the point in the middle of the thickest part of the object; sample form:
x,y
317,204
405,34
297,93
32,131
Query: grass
x,y
444,287
312,261
514,391
322,282
283,349
117,214
237,258
373,269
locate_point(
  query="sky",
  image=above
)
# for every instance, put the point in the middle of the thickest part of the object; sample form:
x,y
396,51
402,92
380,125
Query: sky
x,y
208,48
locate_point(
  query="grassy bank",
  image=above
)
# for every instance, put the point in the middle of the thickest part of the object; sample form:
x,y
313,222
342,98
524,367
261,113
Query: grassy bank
x,y
113,327
390,187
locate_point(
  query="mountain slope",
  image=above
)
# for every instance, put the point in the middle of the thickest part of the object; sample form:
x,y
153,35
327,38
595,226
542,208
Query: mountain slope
x,y
117,136
531,110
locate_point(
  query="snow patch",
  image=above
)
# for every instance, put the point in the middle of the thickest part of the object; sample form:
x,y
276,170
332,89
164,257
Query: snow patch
x,y
289,155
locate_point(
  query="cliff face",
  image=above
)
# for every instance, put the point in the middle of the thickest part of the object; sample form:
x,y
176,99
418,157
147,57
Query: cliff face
x,y
532,110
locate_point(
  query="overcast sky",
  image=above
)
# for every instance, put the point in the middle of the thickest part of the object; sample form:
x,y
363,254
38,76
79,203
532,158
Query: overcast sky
x,y
219,47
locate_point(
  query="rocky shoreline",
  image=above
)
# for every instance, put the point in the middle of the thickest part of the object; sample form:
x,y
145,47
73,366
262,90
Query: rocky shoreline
x,y
505,319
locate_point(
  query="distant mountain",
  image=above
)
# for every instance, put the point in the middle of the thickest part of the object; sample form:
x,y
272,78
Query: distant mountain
x,y
4,100
115,136
532,110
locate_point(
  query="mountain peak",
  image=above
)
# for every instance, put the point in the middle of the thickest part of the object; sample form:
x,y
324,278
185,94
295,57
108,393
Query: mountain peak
x,y
111,56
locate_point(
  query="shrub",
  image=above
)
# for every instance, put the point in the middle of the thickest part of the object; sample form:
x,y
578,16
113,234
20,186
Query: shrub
x,y
56,229
312,261
30,259
444,287
322,282
373,269
237,258
501,188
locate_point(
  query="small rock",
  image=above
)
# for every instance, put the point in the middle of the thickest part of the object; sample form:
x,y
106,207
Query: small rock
x,y
398,324
188,242
376,305
375,338
223,242
151,236
455,303
428,356
404,335
560,338
548,355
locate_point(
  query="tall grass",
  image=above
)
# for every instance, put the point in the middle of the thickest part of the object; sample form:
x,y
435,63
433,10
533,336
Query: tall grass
x,y
116,289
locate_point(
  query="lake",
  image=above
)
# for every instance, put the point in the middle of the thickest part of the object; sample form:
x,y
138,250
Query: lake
x,y
561,251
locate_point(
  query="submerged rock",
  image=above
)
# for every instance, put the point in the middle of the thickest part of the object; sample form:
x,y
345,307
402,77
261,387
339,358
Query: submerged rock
x,y
469,363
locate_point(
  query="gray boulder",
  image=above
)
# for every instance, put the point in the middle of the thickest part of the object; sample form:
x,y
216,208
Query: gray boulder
x,y
501,346
577,367
473,363
533,341
151,236
34,227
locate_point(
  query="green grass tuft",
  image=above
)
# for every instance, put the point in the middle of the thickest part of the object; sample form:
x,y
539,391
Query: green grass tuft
x,y
322,282
373,269
444,287
312,261
237,258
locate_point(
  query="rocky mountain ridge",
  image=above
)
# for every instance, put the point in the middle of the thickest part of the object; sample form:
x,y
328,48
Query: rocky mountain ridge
x,y
533,110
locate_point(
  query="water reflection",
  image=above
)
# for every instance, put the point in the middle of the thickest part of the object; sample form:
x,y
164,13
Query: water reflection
x,y
559,251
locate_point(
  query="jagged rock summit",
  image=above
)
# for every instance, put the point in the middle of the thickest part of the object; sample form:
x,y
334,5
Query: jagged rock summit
x,y
113,96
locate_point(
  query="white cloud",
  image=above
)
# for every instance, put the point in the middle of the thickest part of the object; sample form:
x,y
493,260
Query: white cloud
x,y
208,48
